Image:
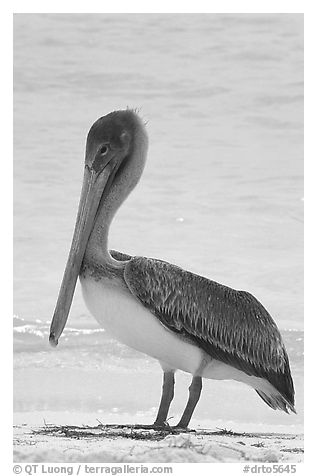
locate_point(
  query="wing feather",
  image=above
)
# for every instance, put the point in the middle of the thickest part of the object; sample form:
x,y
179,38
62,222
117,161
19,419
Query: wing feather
x,y
231,326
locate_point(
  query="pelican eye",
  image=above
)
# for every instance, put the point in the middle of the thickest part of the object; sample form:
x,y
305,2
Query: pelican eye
x,y
104,149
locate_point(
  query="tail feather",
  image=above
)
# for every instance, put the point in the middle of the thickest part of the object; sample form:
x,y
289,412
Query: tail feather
x,y
280,394
276,401
283,383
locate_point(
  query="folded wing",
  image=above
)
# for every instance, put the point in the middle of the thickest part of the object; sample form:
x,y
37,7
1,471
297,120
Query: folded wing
x,y
231,326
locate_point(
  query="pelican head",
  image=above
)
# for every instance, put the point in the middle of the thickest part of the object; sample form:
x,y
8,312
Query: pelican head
x,y
110,149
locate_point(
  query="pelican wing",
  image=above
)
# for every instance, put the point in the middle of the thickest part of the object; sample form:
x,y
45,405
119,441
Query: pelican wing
x,y
231,326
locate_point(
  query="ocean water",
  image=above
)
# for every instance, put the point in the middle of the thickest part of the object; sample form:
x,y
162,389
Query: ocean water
x,y
221,195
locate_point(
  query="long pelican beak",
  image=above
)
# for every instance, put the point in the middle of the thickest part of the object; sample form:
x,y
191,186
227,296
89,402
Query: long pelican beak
x,y
94,184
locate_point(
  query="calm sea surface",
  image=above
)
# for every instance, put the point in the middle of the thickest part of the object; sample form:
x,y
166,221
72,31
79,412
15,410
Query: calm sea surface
x,y
221,195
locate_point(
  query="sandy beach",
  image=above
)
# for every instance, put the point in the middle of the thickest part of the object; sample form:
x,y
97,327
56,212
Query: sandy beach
x,y
135,443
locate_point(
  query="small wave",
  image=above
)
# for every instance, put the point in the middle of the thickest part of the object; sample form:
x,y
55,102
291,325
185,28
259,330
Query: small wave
x,y
33,335
83,331
17,321
27,329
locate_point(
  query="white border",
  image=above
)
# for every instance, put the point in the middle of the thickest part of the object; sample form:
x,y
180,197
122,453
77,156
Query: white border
x,y
310,176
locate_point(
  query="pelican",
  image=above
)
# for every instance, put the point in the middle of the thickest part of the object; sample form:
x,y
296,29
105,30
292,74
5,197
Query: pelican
x,y
183,320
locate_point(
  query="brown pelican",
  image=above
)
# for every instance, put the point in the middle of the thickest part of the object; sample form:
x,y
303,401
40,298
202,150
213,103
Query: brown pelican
x,y
186,321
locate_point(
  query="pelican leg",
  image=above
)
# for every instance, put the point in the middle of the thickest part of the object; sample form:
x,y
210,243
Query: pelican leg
x,y
194,394
166,399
